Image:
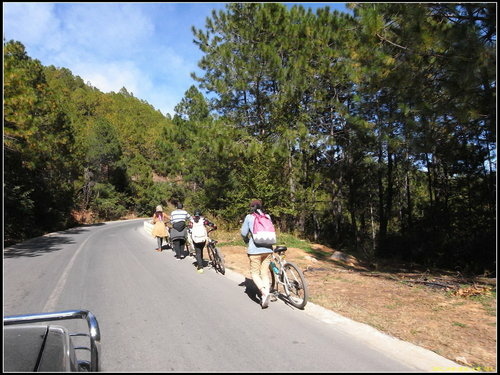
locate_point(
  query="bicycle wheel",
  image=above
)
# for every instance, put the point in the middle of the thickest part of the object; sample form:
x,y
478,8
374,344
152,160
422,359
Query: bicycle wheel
x,y
210,251
219,261
295,285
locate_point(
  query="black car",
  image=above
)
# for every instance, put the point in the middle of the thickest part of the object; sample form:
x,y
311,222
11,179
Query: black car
x,y
33,343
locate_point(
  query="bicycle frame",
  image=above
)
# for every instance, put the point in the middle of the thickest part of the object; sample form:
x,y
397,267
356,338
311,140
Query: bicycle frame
x,y
210,241
290,277
281,277
214,254
189,243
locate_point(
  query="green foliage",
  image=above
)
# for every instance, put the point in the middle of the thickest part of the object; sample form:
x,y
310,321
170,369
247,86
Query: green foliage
x,y
289,240
193,106
349,117
103,147
373,133
38,142
108,203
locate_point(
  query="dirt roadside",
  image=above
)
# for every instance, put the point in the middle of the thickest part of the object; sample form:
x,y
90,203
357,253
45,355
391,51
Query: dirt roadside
x,y
444,313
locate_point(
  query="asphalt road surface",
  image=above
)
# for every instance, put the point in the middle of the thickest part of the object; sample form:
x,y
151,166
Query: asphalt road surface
x,y
157,313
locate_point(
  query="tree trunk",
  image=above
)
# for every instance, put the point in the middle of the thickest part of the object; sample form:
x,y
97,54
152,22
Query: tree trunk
x,y
381,193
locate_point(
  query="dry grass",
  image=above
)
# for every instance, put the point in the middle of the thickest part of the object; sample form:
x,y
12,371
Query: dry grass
x,y
455,324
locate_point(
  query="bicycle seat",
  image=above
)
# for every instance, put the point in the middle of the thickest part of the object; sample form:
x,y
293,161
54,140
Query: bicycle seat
x,y
279,249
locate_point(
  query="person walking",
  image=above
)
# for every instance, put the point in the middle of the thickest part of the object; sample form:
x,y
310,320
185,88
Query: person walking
x,y
178,231
159,226
259,256
199,235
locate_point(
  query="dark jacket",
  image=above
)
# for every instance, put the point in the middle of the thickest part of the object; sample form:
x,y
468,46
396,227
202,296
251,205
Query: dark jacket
x,y
177,235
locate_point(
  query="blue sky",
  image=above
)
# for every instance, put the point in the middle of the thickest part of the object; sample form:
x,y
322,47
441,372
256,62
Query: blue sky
x,y
145,47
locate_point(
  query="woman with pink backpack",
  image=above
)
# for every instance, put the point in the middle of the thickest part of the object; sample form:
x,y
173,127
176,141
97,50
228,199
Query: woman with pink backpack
x,y
258,232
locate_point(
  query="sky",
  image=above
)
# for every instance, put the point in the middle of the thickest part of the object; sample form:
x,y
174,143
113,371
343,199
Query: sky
x,y
145,47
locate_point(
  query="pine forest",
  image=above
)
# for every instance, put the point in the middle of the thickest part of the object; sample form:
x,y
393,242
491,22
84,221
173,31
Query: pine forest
x,y
372,132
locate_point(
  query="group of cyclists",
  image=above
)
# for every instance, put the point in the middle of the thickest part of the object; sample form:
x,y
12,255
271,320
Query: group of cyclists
x,y
181,228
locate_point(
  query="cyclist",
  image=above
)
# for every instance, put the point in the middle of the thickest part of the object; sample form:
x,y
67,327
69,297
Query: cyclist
x,y
259,256
199,236
178,231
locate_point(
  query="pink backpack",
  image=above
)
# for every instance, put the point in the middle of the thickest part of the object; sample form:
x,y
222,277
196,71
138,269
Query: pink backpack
x,y
263,232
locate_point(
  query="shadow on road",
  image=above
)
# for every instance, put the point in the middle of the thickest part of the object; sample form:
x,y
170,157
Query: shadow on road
x,y
251,290
45,244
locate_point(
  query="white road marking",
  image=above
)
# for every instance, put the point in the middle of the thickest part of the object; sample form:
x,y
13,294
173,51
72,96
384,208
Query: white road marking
x,y
56,293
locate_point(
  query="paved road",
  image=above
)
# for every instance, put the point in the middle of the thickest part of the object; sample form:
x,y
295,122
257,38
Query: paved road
x,y
158,314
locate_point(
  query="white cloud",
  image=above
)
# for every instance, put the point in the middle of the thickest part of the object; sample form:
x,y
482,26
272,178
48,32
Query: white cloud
x,y
110,76
145,47
32,23
107,29
165,99
170,66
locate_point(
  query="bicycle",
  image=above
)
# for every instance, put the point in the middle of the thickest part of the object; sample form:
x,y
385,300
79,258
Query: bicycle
x,y
288,277
215,255
168,241
190,245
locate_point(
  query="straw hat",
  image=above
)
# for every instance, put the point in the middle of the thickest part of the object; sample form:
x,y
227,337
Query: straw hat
x,y
159,208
